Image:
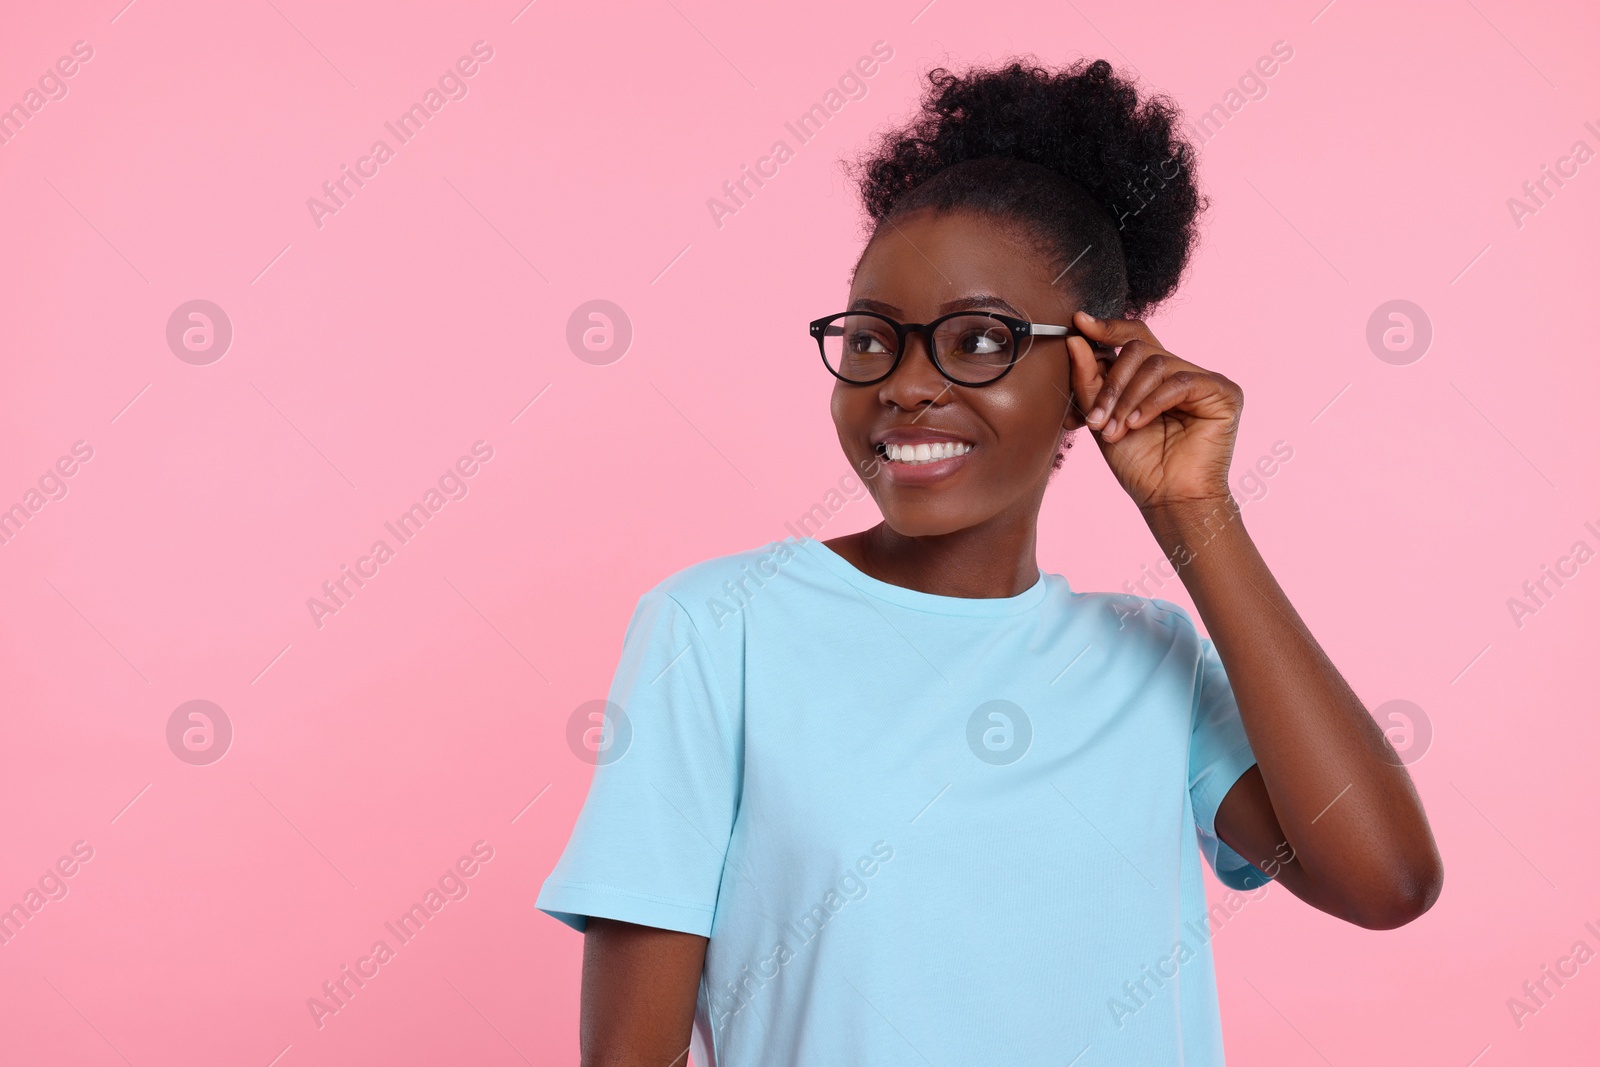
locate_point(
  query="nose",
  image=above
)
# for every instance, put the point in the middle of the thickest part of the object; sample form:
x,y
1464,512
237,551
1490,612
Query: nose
x,y
915,380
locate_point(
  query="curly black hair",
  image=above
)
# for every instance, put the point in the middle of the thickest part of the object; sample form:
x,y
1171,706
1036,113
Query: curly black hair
x,y
1099,179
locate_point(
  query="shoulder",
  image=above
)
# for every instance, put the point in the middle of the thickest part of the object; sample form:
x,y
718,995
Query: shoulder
x,y
1151,641
1129,617
704,591
1173,616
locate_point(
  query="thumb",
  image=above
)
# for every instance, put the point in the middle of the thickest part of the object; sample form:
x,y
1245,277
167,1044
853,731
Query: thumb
x,y
1087,380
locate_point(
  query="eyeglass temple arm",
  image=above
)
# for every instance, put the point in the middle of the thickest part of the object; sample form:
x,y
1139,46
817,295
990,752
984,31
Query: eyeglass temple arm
x,y
1102,351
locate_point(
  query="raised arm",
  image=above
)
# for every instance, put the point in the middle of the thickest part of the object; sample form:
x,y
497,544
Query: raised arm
x,y
639,990
1328,810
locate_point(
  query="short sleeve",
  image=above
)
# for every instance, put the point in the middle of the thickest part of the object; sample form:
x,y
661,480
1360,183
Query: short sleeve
x,y
649,843
1219,753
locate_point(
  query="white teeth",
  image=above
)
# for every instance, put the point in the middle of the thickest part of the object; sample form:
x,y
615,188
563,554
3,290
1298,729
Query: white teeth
x,y
926,453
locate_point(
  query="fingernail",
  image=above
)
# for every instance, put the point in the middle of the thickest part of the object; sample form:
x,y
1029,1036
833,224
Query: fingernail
x,y
1097,414
1133,416
1111,427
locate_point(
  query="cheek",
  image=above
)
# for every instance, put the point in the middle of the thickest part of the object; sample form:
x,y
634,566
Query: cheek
x,y
851,409
1022,415
839,407
1045,378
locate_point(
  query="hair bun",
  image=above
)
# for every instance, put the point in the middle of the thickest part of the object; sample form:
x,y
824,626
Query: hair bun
x,y
1084,123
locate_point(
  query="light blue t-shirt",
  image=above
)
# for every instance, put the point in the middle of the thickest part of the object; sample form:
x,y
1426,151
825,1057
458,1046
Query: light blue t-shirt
x,y
917,829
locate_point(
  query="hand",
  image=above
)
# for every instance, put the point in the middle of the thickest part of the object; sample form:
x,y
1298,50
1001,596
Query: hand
x,y
1165,426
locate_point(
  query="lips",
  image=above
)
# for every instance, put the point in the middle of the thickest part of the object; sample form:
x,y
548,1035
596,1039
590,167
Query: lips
x,y
915,435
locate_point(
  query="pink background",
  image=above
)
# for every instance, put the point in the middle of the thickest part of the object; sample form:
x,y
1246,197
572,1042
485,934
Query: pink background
x,y
371,352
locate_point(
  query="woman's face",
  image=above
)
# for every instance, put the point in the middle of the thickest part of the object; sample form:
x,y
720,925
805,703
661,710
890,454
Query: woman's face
x,y
915,270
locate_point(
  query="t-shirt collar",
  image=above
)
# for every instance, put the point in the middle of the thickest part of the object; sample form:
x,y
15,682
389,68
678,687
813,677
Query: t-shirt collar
x,y
972,607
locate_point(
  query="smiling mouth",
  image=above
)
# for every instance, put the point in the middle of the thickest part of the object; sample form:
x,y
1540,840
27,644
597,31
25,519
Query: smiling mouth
x,y
916,455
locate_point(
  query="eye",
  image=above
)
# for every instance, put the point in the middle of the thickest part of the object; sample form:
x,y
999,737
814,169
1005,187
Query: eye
x,y
981,343
862,343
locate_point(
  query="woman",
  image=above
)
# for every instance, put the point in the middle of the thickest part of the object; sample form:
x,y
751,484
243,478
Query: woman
x,y
901,797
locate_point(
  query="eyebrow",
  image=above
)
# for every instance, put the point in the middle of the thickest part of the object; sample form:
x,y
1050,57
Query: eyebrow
x,y
966,303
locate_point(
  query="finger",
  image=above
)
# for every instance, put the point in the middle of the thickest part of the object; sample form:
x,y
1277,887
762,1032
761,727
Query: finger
x,y
1087,377
1117,378
1193,390
1113,332
1156,368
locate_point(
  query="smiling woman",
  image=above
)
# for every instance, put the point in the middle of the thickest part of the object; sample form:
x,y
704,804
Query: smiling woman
x,y
1055,770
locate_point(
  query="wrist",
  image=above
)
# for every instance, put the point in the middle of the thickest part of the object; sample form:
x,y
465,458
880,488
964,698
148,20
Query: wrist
x,y
1184,527
1192,512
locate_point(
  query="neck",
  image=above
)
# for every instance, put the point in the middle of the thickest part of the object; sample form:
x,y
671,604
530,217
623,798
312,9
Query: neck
x,y
976,563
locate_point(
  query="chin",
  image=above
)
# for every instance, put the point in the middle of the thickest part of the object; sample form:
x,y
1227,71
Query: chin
x,y
924,522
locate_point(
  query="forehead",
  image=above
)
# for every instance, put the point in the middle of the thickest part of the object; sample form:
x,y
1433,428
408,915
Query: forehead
x,y
923,262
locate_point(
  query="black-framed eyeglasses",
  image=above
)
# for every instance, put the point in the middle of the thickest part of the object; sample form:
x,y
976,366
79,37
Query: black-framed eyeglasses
x,y
967,347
